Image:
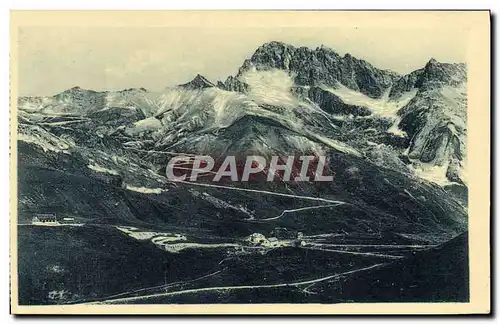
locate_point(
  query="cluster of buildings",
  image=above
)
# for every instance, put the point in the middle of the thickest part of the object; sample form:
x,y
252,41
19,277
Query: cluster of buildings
x,y
50,219
280,236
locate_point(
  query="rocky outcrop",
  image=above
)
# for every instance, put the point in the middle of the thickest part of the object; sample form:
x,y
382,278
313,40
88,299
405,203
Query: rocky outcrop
x,y
77,100
406,83
333,104
436,118
233,84
437,74
199,82
434,74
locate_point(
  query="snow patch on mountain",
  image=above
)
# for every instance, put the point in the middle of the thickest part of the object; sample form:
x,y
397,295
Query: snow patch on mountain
x,y
394,129
47,141
380,106
431,172
271,87
145,190
101,169
150,124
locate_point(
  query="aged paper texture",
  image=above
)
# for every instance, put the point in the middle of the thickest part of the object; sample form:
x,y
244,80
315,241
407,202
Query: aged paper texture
x,y
263,162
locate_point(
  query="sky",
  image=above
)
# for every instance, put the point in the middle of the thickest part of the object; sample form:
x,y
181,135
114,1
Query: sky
x,y
52,59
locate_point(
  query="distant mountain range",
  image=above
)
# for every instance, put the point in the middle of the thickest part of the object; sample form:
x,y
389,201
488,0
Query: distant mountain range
x,y
396,147
420,116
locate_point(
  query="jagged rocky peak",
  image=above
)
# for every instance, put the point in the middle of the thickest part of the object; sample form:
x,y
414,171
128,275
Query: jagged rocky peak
x,y
433,75
76,100
199,82
320,66
233,84
432,61
436,73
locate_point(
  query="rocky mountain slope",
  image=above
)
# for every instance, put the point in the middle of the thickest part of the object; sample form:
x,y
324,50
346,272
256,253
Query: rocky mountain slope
x,y
321,66
421,116
436,121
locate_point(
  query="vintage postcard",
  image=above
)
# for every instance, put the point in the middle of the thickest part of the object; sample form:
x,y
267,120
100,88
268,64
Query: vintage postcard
x,y
250,162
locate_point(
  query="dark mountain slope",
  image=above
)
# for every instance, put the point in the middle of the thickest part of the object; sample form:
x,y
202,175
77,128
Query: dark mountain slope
x,y
439,275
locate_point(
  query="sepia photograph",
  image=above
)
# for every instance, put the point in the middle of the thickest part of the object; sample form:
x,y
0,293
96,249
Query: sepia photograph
x,y
250,162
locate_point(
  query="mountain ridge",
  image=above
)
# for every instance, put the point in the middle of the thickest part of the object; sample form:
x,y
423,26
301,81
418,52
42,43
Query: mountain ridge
x,y
321,66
